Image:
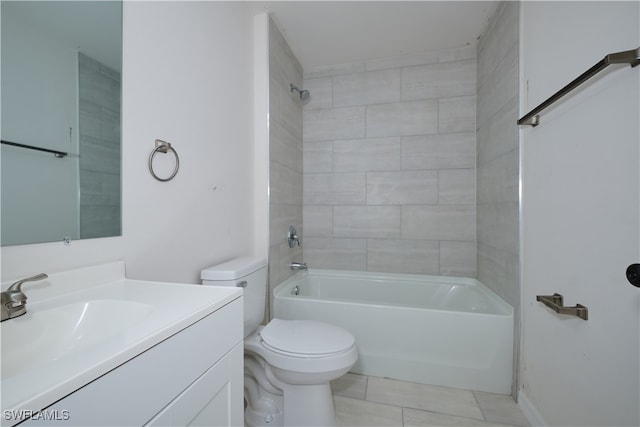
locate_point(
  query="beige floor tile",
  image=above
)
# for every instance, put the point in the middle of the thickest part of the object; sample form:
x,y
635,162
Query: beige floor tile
x,y
350,385
416,418
499,408
426,397
355,412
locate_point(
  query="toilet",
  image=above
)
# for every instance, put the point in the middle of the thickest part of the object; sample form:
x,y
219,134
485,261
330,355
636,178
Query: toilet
x,y
288,364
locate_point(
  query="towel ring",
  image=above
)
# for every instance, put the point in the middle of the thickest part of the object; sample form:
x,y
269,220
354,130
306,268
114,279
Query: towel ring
x,y
163,147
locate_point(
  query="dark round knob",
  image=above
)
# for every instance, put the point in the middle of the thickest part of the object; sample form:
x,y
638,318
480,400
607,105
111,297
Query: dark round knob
x,y
633,275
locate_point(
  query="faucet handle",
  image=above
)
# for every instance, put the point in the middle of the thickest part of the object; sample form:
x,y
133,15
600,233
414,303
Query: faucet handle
x,y
292,237
17,285
14,301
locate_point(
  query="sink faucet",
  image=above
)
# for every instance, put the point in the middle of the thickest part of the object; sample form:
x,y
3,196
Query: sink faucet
x,y
298,265
14,301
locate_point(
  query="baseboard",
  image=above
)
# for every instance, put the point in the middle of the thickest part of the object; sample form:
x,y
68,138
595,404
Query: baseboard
x,y
530,411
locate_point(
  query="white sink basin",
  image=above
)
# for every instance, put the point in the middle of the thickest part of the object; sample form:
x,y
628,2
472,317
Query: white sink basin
x,y
83,323
45,335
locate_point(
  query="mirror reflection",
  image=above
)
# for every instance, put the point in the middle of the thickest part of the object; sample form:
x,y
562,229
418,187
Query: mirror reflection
x,y
61,87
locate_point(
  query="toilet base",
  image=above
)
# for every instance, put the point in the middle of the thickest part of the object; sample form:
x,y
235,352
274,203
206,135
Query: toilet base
x,y
272,403
303,406
309,405
259,419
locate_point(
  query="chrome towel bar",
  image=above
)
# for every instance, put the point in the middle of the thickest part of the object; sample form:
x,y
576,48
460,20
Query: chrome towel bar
x,y
631,57
555,302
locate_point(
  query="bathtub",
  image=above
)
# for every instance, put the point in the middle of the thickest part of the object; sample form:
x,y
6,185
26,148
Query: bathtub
x,y
437,330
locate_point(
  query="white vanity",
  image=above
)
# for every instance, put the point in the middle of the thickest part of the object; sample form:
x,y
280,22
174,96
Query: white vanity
x,y
96,348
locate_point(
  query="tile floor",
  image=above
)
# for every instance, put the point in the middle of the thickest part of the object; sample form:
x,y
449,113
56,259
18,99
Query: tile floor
x,y
372,401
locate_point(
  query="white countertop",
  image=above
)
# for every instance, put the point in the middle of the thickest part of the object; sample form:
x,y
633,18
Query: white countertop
x,y
113,319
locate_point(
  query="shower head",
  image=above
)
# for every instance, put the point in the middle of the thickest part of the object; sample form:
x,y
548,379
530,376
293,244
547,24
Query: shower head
x,y
304,94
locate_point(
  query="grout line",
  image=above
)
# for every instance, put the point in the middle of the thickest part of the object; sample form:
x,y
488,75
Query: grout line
x,y
366,387
484,417
402,408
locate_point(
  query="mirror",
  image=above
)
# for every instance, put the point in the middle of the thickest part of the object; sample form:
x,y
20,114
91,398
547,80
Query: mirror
x,y
61,89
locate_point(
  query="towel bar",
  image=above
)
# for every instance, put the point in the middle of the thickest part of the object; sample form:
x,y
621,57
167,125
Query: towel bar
x,y
555,303
631,57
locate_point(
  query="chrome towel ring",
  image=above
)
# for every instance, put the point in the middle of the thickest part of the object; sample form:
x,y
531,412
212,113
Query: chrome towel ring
x,y
163,147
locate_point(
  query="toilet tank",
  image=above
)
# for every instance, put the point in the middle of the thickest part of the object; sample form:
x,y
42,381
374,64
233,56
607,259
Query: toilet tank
x,y
249,273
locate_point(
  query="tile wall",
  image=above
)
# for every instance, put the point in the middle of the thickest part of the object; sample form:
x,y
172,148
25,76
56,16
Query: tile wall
x,y
99,132
390,164
285,156
498,154
499,161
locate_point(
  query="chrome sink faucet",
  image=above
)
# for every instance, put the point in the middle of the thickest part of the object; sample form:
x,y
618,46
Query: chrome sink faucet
x,y
14,301
298,265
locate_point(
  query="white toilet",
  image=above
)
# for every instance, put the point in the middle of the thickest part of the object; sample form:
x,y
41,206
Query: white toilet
x,y
288,364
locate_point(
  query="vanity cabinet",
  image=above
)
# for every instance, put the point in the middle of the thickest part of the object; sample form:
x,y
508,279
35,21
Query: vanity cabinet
x,y
194,377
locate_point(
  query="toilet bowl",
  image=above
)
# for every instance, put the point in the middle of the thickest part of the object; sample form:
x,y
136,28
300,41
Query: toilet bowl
x,y
288,363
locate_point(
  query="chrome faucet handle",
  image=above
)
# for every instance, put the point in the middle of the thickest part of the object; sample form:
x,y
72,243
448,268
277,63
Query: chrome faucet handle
x,y
292,237
14,301
17,285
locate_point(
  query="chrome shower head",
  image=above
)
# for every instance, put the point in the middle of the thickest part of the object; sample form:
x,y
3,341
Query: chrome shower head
x,y
304,94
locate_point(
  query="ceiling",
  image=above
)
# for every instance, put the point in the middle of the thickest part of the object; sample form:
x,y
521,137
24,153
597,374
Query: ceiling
x,y
324,33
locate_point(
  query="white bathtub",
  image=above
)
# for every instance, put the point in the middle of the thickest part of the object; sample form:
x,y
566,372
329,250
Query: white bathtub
x,y
438,330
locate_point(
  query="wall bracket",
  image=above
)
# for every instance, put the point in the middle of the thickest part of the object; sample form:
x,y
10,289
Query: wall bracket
x,y
555,302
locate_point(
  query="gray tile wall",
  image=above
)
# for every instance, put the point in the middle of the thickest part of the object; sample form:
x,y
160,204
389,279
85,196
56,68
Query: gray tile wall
x,y
498,155
390,164
498,161
99,136
285,156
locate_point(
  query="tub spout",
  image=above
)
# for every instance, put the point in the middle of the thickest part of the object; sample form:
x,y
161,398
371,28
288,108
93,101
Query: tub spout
x,y
298,265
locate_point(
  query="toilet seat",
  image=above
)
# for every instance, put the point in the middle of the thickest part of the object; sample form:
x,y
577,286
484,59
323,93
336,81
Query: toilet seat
x,y
305,338
280,355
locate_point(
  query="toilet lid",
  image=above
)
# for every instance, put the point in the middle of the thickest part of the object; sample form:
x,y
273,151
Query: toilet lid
x,y
306,337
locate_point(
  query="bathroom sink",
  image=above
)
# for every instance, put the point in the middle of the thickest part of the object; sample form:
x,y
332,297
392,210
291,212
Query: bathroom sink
x,y
45,335
83,323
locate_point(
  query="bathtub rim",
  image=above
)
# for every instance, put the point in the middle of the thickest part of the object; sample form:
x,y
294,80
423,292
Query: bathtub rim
x,y
283,290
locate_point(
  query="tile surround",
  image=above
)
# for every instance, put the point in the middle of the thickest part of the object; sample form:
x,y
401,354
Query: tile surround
x,y
336,123
366,221
498,213
285,156
442,151
372,87
389,161
402,118
402,188
441,80
498,154
362,155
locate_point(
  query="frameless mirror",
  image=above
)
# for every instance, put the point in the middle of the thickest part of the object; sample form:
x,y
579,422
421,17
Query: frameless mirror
x,y
61,86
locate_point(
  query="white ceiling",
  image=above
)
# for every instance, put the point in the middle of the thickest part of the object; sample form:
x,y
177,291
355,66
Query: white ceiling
x,y
336,32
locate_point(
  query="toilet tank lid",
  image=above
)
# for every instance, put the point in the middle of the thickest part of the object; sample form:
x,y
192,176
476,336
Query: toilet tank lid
x,y
233,269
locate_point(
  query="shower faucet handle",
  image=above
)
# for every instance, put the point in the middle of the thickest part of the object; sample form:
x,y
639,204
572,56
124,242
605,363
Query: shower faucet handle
x,y
292,237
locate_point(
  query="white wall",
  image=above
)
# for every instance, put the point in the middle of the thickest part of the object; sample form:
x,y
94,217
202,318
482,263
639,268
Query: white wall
x,y
187,79
580,214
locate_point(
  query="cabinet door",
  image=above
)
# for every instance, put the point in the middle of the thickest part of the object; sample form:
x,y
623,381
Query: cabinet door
x,y
214,399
